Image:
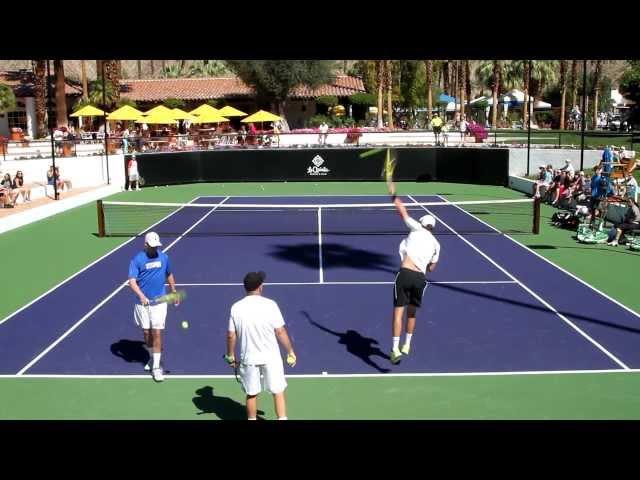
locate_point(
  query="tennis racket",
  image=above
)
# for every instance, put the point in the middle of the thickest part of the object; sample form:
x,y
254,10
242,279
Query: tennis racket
x,y
388,170
141,181
235,366
173,297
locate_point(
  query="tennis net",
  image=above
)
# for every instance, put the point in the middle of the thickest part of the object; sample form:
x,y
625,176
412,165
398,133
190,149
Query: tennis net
x,y
466,217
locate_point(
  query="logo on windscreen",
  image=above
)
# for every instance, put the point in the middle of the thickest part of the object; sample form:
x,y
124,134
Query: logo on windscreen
x,y
317,168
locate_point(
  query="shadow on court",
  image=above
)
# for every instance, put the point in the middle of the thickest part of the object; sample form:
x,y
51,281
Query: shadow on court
x,y
356,344
131,351
540,308
335,255
224,408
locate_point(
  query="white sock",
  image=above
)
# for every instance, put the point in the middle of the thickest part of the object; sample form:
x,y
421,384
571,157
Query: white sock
x,y
407,340
283,418
156,360
396,343
251,418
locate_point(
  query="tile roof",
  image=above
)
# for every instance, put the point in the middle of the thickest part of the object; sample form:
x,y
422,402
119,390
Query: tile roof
x,y
221,87
23,83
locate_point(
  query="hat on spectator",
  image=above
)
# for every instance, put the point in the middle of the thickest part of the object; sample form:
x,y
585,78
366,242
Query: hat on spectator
x,y
567,160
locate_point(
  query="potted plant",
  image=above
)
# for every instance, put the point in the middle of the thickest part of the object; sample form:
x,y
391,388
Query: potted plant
x,y
3,145
478,131
16,134
353,136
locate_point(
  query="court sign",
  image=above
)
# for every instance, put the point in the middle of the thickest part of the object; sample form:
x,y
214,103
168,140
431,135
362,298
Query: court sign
x,y
317,169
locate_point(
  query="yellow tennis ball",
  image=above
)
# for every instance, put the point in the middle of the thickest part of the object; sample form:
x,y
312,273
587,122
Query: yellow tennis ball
x,y
185,324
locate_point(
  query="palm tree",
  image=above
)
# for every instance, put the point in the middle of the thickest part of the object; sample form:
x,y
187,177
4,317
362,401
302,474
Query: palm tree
x,y
7,99
153,69
40,72
85,83
563,90
597,77
139,68
380,67
112,69
172,71
389,87
574,83
206,68
445,76
467,78
429,81
495,89
461,85
96,95
61,98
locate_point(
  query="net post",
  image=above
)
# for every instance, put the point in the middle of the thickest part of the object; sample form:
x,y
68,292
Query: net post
x,y
536,216
101,230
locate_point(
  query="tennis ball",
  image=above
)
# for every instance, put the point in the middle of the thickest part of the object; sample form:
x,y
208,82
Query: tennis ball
x,y
185,324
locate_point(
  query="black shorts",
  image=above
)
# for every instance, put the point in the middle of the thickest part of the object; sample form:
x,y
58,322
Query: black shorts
x,y
408,288
437,129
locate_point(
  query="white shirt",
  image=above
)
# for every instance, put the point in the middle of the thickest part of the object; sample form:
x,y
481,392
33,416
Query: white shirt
x,y
254,319
324,128
133,167
463,126
568,168
420,245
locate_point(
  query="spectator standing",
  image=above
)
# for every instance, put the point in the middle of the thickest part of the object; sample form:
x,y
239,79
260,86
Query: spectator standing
x,y
132,174
436,126
463,126
324,133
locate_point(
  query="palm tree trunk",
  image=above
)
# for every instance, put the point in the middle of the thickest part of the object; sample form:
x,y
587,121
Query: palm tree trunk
x,y
525,105
467,80
164,64
574,82
153,68
61,98
461,85
429,68
563,89
389,84
85,82
494,93
139,65
380,79
99,68
445,76
597,74
41,103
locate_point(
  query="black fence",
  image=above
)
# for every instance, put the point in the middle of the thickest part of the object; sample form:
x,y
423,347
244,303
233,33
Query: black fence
x,y
459,165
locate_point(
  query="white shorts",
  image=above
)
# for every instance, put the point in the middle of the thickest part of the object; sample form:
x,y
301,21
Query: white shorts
x,y
269,377
133,177
150,316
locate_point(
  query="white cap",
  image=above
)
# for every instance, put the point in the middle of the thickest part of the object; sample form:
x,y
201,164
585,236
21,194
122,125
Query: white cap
x,y
427,221
152,239
567,161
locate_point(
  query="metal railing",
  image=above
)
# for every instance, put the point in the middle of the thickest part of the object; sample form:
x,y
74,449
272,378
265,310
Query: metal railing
x,y
208,140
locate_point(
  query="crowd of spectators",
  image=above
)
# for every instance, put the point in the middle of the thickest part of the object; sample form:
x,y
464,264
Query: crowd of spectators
x,y
611,181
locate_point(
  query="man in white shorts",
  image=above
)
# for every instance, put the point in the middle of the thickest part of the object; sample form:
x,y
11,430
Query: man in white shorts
x,y
257,323
419,253
148,272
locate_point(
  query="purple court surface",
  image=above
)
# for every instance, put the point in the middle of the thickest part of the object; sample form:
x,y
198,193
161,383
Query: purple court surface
x,y
491,305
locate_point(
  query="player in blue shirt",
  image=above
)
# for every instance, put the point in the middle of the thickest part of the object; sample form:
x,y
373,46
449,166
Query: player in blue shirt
x,y
148,272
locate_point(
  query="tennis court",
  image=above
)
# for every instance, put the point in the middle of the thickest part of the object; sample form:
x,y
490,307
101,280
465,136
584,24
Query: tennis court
x,y
492,306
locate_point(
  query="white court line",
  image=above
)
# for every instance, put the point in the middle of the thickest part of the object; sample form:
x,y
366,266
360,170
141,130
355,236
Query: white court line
x,y
320,244
633,312
535,295
90,265
463,282
109,297
336,375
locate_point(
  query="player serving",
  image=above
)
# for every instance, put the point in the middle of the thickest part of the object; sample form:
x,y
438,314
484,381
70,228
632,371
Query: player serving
x,y
148,272
419,253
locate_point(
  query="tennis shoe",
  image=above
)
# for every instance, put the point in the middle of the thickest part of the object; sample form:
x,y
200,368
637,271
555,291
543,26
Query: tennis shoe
x,y
613,243
395,356
405,349
157,374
